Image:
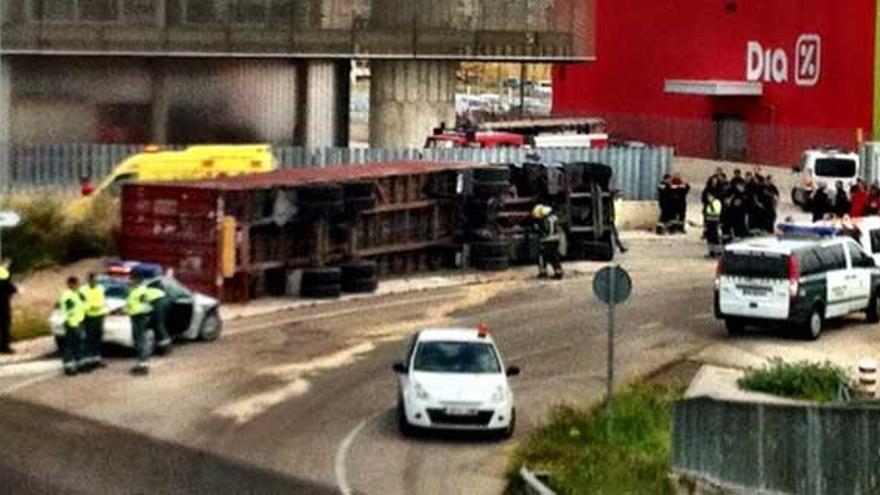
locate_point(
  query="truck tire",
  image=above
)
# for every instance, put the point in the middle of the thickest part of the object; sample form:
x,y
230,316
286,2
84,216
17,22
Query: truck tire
x,y
358,270
491,174
493,264
360,286
319,193
491,189
316,277
329,291
490,249
327,210
361,189
357,205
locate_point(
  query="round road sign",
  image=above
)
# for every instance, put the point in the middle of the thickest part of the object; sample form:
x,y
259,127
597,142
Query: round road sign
x,y
612,285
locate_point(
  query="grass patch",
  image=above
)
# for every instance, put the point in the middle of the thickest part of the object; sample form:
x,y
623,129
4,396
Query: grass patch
x,y
580,457
818,382
27,325
49,236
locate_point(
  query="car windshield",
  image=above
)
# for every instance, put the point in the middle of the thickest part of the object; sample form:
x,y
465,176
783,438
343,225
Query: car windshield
x,y
456,357
836,167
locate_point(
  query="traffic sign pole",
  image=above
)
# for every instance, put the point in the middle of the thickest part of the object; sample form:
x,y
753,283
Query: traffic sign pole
x,y
609,394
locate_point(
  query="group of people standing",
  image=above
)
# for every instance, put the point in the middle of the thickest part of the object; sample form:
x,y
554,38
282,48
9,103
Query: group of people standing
x,y
738,207
672,195
83,308
861,200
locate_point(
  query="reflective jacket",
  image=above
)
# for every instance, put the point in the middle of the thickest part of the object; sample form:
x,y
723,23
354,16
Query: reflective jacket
x,y
94,300
4,273
72,308
137,302
154,294
549,228
712,210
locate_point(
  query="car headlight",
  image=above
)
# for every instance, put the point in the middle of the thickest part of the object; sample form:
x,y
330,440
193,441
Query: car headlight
x,y
498,395
420,391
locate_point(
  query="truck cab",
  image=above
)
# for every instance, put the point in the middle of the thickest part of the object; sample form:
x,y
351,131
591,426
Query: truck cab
x,y
824,167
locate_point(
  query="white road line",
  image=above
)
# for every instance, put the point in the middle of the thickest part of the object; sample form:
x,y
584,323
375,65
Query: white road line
x,y
703,316
342,455
342,312
27,383
30,368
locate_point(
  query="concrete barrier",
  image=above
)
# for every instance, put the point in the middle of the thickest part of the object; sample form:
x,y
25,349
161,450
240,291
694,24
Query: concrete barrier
x,y
637,215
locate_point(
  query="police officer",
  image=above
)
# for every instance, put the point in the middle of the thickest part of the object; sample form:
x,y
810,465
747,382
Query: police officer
x,y
712,224
548,229
7,291
139,311
157,298
73,311
93,296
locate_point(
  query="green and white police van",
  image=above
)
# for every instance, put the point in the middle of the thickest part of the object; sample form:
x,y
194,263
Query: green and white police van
x,y
795,283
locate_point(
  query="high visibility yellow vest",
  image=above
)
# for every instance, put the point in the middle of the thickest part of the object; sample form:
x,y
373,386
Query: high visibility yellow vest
x,y
4,273
94,300
154,294
713,208
72,307
137,303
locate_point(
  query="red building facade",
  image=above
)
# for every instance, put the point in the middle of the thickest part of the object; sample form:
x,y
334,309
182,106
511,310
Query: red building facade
x,y
753,80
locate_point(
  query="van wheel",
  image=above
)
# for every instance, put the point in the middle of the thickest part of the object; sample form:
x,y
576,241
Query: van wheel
x,y
735,328
813,327
873,311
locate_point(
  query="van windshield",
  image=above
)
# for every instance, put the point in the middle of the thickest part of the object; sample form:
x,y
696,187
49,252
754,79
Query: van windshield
x,y
836,167
754,265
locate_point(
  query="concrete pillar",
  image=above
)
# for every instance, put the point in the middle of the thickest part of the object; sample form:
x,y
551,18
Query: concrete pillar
x,y
159,103
408,99
325,104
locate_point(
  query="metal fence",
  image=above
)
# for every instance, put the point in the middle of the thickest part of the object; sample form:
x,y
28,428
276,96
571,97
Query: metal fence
x,y
636,170
810,450
870,159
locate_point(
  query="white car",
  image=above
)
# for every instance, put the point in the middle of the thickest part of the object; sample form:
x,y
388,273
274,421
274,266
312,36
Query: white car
x,y
454,379
824,167
191,316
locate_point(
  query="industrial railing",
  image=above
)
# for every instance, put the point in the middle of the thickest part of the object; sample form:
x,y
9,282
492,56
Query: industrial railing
x,y
60,167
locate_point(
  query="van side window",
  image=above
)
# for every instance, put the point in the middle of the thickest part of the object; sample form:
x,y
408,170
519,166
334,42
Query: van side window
x,y
832,257
859,258
808,263
875,241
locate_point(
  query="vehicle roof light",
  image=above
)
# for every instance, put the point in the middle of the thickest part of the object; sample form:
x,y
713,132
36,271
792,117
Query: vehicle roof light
x,y
151,148
482,330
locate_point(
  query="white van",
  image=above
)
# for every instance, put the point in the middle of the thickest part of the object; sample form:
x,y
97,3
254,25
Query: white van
x,y
824,167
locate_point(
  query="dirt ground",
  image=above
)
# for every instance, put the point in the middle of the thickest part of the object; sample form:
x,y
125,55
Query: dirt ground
x,y
38,292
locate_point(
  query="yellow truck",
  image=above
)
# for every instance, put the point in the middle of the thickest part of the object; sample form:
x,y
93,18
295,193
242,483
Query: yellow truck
x,y
193,163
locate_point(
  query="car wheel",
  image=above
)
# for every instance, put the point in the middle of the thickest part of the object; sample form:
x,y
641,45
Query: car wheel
x,y
507,433
813,327
873,311
735,327
211,327
406,429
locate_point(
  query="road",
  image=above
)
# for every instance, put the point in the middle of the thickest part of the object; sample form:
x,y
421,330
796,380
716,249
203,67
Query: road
x,y
309,395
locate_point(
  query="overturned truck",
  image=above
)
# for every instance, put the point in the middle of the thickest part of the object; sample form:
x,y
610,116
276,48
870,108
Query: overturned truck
x,y
324,232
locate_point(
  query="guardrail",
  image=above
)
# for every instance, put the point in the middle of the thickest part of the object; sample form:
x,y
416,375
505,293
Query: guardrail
x,y
768,448
636,170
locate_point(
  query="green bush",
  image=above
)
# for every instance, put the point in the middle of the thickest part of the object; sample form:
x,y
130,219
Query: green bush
x,y
580,457
819,382
48,236
28,325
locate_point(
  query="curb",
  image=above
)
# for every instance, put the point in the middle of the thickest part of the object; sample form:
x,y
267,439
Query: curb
x,y
532,484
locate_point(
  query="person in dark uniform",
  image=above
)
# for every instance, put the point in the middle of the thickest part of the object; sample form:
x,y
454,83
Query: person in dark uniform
x,y
7,291
820,203
841,200
548,228
663,200
679,190
735,213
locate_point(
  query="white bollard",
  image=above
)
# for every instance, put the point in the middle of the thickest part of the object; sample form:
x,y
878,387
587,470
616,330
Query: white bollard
x,y
868,377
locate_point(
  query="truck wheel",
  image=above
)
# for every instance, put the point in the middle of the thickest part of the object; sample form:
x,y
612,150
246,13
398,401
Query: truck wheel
x,y
735,328
812,328
873,311
492,174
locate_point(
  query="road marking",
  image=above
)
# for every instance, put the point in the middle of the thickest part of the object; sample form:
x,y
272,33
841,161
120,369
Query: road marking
x,y
30,368
342,312
342,454
703,316
27,383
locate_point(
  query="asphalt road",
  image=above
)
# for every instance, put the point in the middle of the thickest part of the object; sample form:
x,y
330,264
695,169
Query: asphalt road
x,y
309,395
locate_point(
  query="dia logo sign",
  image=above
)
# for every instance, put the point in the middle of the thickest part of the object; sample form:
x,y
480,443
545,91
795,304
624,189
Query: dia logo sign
x,y
771,65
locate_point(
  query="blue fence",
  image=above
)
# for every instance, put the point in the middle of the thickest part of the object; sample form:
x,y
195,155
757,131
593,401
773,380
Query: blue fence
x,y
636,170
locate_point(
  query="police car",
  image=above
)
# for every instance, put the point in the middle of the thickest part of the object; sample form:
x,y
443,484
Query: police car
x,y
191,315
795,282
454,379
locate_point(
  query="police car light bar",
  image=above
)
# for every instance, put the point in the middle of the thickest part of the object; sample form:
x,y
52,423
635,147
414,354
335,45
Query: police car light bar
x,y
801,230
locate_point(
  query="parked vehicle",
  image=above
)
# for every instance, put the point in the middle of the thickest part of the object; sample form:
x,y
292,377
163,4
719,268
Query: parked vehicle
x,y
454,379
461,139
191,316
556,132
796,283
824,167
864,230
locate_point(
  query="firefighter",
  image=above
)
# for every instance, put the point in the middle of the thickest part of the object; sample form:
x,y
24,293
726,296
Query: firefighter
x,y
157,298
548,228
73,311
712,224
93,296
7,291
139,311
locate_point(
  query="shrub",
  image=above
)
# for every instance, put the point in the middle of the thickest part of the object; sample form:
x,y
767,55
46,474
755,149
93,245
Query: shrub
x,y
47,236
819,382
28,325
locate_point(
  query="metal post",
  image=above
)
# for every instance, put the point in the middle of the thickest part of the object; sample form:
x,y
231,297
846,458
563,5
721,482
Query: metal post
x,y
609,394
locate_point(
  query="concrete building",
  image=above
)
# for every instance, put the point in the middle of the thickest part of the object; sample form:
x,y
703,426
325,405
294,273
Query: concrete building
x,y
183,71
747,80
